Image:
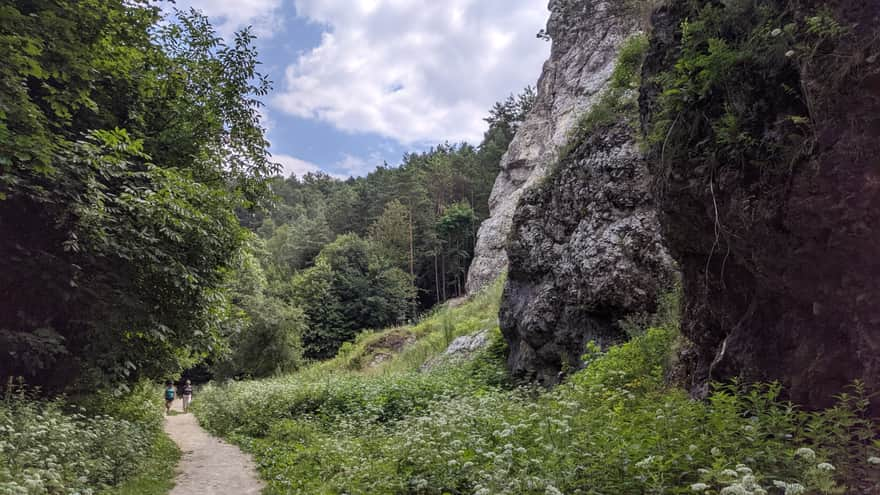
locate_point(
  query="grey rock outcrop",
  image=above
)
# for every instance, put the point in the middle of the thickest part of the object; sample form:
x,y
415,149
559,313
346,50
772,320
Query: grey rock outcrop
x,y
462,348
585,252
586,36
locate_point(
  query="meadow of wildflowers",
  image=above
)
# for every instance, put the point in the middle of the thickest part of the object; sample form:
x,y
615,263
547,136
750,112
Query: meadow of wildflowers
x,y
615,427
54,447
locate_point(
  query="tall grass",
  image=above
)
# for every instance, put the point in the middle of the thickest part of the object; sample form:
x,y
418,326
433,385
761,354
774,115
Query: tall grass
x,y
429,337
613,428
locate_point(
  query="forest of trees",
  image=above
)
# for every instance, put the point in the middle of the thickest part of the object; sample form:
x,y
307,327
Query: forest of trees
x,y
144,229
373,251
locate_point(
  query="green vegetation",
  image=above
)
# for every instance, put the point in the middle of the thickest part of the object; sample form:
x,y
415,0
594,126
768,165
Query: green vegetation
x,y
423,340
369,252
344,426
156,471
148,233
619,101
102,445
734,96
348,289
133,164
125,145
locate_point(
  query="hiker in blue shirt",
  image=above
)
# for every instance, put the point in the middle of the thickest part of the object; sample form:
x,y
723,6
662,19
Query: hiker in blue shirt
x,y
169,397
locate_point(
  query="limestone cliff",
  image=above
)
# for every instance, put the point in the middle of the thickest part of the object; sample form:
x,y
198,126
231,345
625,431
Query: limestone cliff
x,y
577,228
585,252
586,35
761,178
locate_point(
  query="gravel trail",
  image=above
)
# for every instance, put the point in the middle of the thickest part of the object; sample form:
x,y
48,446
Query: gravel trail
x,y
209,466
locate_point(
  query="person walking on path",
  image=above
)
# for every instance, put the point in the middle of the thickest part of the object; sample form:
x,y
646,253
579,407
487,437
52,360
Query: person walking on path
x,y
169,397
187,395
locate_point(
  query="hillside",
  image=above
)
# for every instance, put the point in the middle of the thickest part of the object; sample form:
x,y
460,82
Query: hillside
x,y
351,426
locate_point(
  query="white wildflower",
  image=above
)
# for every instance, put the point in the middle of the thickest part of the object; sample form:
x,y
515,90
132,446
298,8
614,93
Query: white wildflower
x,y
874,460
733,490
645,462
749,482
552,490
743,469
794,489
776,32
789,54
729,473
825,466
805,453
699,487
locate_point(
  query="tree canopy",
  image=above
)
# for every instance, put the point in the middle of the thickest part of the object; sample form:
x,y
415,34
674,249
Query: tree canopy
x,y
144,228
125,146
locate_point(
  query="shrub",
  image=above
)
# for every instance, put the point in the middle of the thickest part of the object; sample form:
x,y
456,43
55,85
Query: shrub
x,y
51,446
615,427
268,343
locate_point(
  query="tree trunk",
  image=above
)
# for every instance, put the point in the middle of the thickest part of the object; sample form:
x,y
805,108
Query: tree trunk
x,y
443,274
436,279
412,271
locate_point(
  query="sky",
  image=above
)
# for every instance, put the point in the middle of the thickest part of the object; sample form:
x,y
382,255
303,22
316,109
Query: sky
x,y
358,83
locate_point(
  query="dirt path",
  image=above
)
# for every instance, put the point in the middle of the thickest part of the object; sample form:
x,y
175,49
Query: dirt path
x,y
209,466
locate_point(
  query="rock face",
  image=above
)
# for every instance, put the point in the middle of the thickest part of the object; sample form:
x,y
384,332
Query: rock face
x,y
585,251
781,272
460,349
586,35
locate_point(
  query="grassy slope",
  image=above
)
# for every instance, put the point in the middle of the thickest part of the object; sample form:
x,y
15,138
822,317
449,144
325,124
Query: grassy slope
x,y
615,427
429,337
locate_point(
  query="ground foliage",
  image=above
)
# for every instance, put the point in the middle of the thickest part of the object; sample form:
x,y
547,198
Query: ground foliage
x,y
104,444
614,427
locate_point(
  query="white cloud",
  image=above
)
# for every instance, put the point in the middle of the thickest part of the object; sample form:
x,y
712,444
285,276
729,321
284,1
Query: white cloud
x,y
229,16
348,166
266,120
356,166
416,71
345,167
293,165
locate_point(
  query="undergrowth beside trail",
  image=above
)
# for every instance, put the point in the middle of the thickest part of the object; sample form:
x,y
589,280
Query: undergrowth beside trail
x,y
156,471
102,445
613,428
